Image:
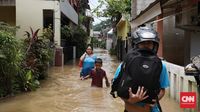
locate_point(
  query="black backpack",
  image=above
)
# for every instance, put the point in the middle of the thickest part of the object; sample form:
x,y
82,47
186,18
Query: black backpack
x,y
140,68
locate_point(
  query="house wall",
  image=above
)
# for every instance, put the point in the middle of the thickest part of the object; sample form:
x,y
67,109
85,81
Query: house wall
x,y
145,17
69,11
29,13
173,42
122,30
7,14
108,43
143,4
195,46
139,5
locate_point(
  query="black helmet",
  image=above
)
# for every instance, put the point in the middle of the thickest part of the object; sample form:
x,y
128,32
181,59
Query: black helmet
x,y
144,33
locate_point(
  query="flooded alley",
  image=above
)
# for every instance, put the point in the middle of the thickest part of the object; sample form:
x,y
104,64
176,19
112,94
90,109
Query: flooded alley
x,y
63,91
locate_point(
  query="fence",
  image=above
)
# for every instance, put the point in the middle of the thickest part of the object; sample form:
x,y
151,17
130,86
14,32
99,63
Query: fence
x,y
179,82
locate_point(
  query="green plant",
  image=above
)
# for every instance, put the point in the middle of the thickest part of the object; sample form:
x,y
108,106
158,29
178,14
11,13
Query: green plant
x,y
113,8
66,32
48,36
27,81
7,28
82,18
113,51
39,52
10,58
80,39
102,44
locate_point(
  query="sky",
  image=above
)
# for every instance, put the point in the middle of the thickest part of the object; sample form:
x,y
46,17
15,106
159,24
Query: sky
x,y
93,4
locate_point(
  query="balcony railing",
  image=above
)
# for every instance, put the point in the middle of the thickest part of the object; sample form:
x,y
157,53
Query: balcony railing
x,y
7,2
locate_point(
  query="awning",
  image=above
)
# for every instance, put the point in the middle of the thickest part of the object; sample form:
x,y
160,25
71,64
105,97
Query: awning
x,y
148,14
68,11
121,21
110,32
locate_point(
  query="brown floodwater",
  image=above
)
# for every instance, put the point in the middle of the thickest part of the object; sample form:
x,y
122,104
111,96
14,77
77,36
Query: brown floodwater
x,y
63,91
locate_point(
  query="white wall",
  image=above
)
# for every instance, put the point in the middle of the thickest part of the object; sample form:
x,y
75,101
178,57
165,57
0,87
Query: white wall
x,y
148,15
109,43
179,82
29,13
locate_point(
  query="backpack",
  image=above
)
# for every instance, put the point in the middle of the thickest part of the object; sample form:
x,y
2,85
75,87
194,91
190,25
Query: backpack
x,y
140,68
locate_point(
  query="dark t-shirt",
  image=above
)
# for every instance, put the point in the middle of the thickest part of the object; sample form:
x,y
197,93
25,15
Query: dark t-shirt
x,y
97,77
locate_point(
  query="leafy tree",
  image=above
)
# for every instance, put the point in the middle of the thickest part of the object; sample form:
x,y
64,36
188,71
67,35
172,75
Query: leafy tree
x,y
113,8
102,25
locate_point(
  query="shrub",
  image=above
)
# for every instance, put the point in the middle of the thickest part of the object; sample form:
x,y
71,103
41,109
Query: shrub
x,y
113,51
39,52
10,59
23,63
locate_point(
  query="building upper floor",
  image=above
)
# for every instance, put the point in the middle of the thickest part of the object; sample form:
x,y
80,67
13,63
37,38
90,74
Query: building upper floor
x,y
7,2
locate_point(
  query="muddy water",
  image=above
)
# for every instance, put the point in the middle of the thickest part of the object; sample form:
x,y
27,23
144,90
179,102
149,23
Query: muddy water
x,y
63,91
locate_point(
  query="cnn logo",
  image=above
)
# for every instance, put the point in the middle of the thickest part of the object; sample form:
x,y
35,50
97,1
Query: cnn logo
x,y
188,100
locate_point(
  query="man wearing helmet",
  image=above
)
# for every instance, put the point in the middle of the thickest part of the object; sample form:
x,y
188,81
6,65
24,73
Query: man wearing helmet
x,y
146,41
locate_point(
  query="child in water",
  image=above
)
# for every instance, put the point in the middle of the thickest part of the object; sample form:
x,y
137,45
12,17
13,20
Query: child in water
x,y
97,75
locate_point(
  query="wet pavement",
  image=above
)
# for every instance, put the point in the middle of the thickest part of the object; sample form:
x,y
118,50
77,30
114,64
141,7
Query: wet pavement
x,y
63,91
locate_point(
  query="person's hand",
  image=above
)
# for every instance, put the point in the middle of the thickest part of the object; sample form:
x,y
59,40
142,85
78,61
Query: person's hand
x,y
107,84
139,96
82,78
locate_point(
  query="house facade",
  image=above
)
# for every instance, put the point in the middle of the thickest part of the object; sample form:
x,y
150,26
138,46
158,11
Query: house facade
x,y
177,24
123,28
109,40
37,14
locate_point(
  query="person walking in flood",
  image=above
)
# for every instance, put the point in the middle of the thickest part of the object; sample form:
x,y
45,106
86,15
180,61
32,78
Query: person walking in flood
x,y
87,62
97,75
141,79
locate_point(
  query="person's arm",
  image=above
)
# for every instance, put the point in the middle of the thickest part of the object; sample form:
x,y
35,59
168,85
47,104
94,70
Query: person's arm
x,y
161,94
89,75
117,71
86,77
107,82
164,81
134,108
83,56
134,98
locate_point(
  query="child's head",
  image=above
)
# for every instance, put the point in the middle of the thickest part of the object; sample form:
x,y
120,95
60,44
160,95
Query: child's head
x,y
98,63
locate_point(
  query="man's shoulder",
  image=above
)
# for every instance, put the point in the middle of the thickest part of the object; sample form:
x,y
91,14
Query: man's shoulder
x,y
163,64
102,70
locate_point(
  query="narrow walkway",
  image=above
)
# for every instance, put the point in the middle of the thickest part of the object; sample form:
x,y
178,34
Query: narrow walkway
x,y
63,91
